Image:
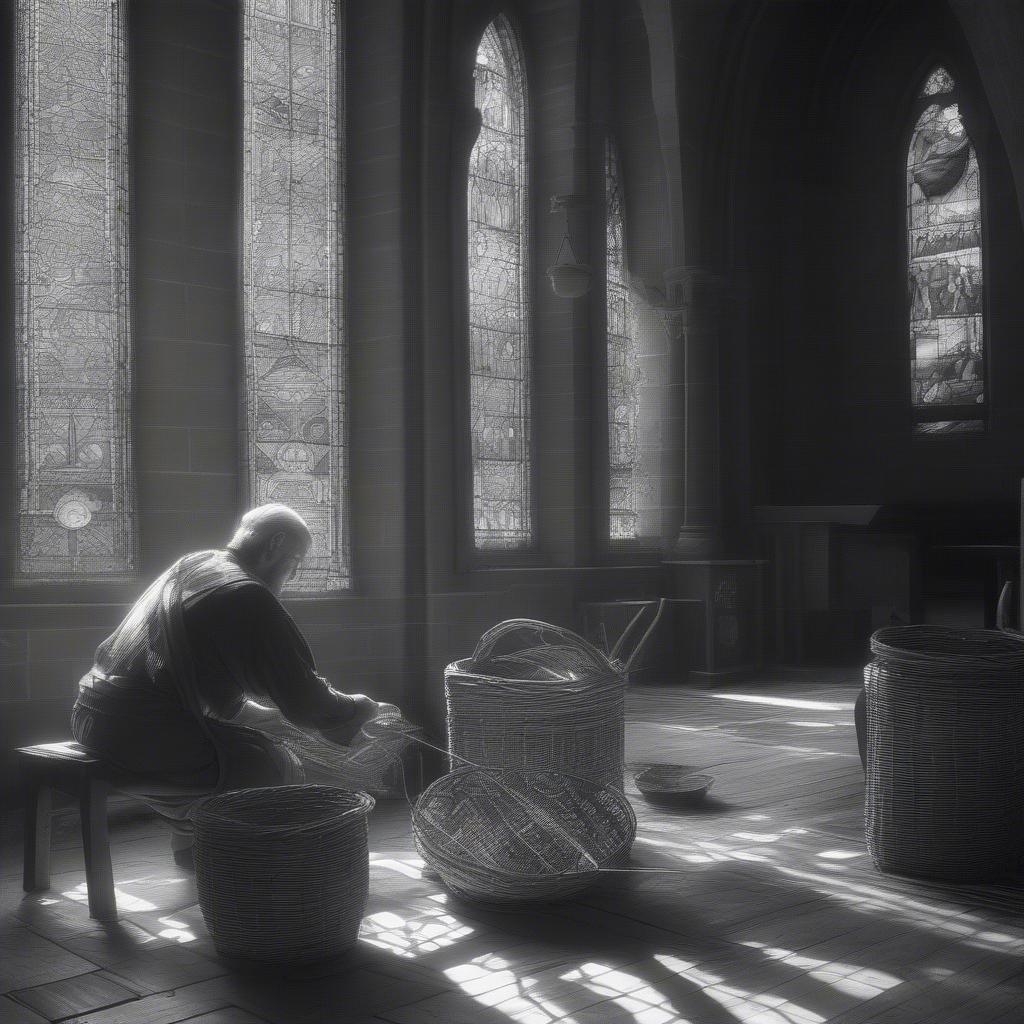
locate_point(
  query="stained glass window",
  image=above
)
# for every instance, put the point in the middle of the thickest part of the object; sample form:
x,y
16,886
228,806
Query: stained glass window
x,y
947,328
71,293
624,372
292,263
499,349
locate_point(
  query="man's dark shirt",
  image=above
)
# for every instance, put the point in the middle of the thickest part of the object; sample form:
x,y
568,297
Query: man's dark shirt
x,y
243,644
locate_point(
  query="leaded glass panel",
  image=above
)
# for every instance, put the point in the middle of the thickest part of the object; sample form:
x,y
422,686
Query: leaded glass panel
x,y
624,375
947,331
940,80
498,324
71,292
294,352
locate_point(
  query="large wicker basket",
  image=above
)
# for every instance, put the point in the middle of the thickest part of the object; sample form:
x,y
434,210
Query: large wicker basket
x,y
538,696
521,836
283,872
945,759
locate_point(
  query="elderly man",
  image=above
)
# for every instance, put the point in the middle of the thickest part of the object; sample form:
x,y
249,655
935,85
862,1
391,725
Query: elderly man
x,y
169,697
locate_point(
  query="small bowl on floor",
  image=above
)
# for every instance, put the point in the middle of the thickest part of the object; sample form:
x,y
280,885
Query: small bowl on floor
x,y
673,785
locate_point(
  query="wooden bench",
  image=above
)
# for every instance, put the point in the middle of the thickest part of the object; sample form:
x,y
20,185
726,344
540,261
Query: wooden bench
x,y
67,768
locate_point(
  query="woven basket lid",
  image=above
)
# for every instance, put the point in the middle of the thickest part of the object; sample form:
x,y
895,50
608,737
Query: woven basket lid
x,y
526,648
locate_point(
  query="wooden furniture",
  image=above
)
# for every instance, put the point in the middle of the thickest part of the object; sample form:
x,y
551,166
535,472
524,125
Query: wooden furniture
x,y
836,573
730,593
672,648
1006,617
67,768
996,562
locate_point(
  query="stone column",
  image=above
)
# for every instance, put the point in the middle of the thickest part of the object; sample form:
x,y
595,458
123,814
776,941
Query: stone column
x,y
694,319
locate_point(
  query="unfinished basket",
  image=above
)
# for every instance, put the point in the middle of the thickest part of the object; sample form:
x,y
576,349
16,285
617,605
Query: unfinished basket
x,y
283,872
521,836
371,763
945,757
539,696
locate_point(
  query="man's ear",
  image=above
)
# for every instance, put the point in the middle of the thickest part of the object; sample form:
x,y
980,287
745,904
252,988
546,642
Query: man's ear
x,y
275,544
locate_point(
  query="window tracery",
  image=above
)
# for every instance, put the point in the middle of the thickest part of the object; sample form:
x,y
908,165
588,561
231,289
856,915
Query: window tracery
x,y
498,322
292,256
76,516
624,374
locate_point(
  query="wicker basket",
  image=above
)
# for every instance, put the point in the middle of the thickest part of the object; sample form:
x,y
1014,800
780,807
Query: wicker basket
x,y
945,760
519,836
538,696
283,872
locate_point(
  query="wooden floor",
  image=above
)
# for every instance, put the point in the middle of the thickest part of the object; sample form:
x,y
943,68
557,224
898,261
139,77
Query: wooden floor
x,y
772,913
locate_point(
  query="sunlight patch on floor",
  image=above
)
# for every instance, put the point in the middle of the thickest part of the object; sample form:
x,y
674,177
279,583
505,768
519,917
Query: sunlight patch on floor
x,y
850,979
427,931
126,902
783,702
627,993
866,898
705,851
179,931
743,1005
410,867
496,983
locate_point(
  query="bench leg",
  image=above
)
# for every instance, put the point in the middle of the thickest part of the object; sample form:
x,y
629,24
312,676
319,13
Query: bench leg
x,y
99,875
37,837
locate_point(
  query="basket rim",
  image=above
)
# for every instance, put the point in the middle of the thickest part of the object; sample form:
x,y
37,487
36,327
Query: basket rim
x,y
359,803
972,644
620,798
547,686
657,778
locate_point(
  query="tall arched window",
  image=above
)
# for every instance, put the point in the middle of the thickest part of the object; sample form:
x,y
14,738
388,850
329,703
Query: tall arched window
x,y
76,516
944,244
624,375
292,266
499,336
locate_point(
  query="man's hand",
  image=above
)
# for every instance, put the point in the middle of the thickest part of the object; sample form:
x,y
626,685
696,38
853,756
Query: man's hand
x,y
365,710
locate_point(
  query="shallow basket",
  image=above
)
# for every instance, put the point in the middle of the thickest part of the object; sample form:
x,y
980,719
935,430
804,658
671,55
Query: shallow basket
x,y
283,872
519,836
945,761
673,784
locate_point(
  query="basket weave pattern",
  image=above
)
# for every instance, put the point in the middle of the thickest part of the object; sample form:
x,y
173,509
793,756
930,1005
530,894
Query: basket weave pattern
x,y
515,836
283,872
945,768
521,723
538,696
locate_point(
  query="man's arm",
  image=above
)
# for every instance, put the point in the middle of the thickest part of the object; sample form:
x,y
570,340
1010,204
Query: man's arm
x,y
257,646
279,664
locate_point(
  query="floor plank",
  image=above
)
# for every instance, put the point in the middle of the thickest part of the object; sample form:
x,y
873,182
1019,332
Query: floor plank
x,y
12,1012
27,959
74,996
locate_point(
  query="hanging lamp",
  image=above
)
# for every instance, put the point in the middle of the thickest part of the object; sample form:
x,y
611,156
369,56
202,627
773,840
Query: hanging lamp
x,y
569,278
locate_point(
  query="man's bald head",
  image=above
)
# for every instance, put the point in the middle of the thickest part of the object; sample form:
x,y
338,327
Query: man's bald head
x,y
270,542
